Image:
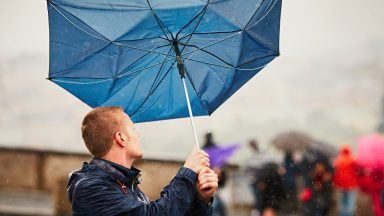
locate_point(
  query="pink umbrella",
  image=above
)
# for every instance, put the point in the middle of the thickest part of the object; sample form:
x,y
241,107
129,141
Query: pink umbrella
x,y
371,160
371,151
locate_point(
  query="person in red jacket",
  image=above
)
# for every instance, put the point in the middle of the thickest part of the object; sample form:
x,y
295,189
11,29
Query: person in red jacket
x,y
345,179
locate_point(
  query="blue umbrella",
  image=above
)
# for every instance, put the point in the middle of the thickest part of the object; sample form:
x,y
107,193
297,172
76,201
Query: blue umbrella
x,y
147,56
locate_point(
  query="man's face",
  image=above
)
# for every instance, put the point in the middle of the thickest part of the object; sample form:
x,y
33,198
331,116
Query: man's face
x,y
133,148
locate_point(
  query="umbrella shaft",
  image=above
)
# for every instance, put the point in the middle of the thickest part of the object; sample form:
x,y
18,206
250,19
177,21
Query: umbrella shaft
x,y
179,59
190,113
181,68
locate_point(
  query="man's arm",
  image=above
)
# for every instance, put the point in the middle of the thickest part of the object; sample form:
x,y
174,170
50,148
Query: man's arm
x,y
97,197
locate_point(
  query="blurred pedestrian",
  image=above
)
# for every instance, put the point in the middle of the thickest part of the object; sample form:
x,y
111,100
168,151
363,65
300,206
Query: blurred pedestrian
x,y
270,187
289,181
209,140
254,165
317,194
108,185
345,179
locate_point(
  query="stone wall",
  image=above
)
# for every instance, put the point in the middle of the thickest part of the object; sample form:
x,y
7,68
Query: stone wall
x,y
31,169
34,170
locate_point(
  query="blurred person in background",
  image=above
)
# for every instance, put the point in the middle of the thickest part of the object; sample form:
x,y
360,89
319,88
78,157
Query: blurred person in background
x,y
289,180
209,140
255,166
345,179
108,185
317,193
270,187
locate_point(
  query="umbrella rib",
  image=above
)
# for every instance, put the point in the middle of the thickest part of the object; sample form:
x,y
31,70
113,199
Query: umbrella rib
x,y
189,78
249,69
103,39
201,17
79,83
149,93
106,39
81,50
203,11
255,60
141,69
162,64
254,13
205,33
117,75
160,23
198,96
151,90
211,44
140,39
203,62
105,79
99,4
141,58
63,72
235,31
210,54
265,15
158,84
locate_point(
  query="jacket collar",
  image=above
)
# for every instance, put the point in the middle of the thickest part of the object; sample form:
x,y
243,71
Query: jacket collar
x,y
118,172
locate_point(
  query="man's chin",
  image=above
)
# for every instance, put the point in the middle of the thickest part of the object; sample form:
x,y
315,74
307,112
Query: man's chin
x,y
139,156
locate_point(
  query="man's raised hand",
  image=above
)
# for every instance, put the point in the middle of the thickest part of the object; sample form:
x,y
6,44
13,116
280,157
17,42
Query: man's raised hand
x,y
197,160
207,184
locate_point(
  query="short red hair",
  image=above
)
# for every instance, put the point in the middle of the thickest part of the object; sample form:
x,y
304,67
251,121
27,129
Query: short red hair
x,y
99,127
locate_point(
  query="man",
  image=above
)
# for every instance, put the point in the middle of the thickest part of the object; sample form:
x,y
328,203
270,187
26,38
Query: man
x,y
108,184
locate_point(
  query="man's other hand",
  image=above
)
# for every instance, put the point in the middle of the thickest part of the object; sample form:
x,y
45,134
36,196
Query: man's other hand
x,y
207,184
197,160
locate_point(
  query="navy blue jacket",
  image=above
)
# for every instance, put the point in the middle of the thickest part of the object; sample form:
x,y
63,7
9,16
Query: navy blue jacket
x,y
105,188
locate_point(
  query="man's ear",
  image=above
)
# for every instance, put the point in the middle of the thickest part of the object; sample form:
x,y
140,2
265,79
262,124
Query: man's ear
x,y
120,138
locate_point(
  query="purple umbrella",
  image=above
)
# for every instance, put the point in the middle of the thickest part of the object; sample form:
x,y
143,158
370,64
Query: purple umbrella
x,y
219,155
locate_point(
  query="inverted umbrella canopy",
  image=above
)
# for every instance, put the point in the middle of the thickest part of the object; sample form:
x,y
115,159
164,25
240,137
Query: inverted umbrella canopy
x,y
132,53
292,141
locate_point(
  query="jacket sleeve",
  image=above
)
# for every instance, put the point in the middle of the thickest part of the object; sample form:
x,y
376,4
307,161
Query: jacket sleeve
x,y
104,198
200,208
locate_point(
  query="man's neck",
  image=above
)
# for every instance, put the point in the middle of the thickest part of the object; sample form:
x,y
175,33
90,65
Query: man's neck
x,y
123,161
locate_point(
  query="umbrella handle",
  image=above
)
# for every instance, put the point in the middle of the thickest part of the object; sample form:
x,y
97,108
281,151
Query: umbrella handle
x,y
190,112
